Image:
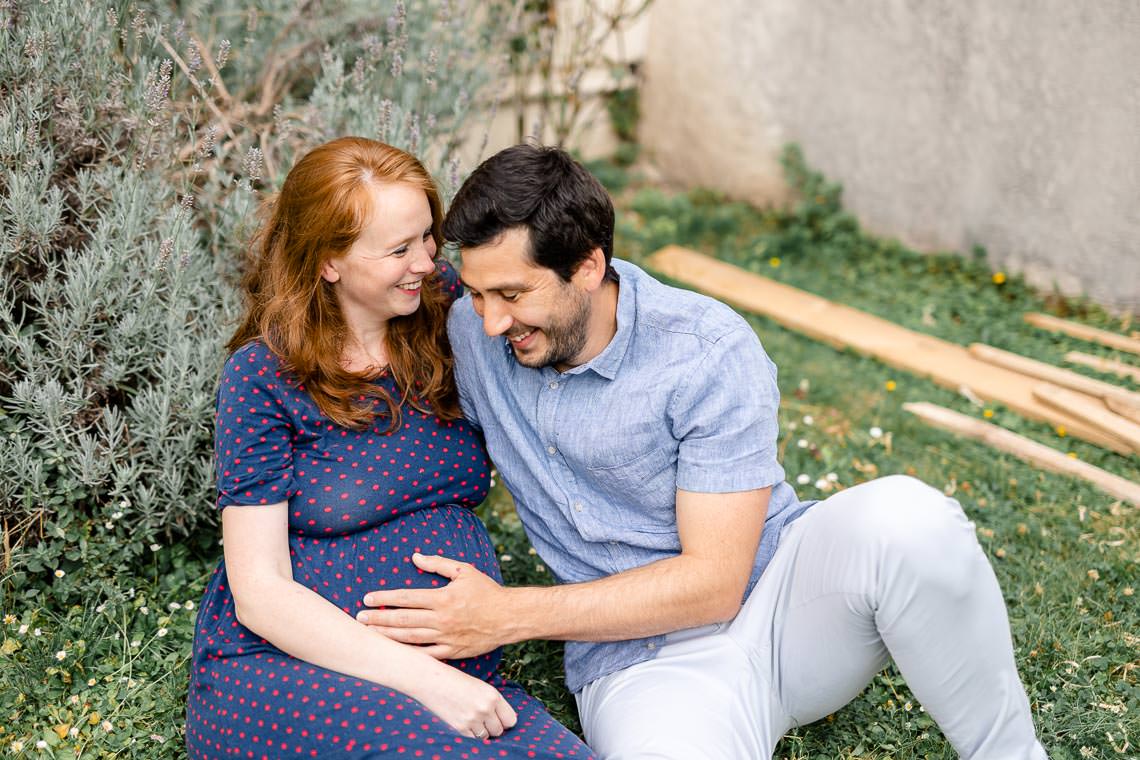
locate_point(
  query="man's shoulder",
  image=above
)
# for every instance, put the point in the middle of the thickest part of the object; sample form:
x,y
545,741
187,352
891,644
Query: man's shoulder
x,y
469,343
671,311
462,321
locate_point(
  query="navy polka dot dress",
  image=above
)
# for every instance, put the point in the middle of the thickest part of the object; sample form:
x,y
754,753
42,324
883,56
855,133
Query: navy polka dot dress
x,y
360,504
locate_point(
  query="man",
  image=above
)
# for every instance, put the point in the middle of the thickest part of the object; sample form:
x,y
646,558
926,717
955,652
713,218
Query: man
x,y
706,609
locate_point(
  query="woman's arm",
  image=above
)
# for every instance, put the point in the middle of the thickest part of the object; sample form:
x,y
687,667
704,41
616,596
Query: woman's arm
x,y
305,625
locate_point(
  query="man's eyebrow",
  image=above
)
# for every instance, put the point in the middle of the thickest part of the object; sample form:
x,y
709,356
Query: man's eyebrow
x,y
508,287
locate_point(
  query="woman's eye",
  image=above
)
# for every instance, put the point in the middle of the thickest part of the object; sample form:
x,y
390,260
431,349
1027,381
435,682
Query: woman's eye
x,y
427,234
400,251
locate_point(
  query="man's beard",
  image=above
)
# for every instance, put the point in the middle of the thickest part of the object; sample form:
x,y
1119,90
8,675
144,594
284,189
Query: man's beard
x,y
566,335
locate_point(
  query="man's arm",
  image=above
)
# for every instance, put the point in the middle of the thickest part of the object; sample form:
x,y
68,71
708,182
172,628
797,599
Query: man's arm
x,y
705,583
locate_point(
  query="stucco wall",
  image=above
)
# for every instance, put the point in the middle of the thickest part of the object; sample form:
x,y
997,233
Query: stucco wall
x,y
1014,125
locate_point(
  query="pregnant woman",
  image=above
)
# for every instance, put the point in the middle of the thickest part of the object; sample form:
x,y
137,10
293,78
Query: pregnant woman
x,y
341,453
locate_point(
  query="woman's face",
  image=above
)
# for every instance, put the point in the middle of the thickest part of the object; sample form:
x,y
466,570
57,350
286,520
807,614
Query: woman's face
x,y
381,275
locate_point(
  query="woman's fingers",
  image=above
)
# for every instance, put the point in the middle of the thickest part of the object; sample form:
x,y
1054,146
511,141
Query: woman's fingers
x,y
497,718
506,714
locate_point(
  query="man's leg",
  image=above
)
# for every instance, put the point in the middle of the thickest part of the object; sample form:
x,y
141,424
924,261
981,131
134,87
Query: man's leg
x,y
890,566
701,698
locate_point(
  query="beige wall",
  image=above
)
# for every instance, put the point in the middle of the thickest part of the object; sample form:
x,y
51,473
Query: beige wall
x,y
1014,125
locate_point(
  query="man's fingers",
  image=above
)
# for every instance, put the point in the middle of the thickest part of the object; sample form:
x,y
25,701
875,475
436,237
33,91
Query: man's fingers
x,y
433,563
397,618
418,598
418,636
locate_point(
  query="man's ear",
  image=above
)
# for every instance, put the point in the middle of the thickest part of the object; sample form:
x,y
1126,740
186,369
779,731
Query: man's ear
x,y
329,272
591,271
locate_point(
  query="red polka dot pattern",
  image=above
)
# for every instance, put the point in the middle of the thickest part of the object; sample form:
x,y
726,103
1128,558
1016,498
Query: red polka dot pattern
x,y
360,504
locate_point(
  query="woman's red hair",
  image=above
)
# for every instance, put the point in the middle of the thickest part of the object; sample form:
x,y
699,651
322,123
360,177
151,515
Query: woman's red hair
x,y
318,214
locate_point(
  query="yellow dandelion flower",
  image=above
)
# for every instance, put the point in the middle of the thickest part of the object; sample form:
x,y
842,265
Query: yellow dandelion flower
x,y
1071,455
1061,431
998,278
774,262
891,385
988,413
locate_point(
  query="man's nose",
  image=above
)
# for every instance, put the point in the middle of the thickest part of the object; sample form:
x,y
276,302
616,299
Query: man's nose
x,y
496,320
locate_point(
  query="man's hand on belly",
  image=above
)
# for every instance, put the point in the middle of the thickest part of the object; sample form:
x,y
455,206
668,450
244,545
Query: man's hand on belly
x,y
461,619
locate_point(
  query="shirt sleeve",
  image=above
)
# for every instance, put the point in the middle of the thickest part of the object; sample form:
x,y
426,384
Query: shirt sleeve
x,y
253,447
725,418
461,321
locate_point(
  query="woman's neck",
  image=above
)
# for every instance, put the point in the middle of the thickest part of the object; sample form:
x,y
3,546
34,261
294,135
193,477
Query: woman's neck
x,y
366,349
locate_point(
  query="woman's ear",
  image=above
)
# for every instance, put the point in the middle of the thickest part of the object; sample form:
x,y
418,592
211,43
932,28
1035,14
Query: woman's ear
x,y
329,271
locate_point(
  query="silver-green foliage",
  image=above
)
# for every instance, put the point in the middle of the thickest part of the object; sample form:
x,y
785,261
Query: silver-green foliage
x,y
135,148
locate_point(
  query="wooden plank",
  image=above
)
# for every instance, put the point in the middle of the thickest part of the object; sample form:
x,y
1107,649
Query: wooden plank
x,y
1124,410
1101,364
945,363
1025,449
1092,411
1054,375
1084,332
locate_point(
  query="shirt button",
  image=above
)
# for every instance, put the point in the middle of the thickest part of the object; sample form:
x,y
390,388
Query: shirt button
x,y
551,450
554,385
578,506
651,645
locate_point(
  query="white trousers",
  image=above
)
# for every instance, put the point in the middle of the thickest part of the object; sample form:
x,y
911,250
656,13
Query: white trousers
x,y
890,568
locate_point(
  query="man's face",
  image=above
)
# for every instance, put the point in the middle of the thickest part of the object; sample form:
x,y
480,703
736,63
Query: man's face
x,y
545,319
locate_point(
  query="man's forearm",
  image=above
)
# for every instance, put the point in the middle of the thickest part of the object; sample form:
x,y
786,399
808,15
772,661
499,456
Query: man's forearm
x,y
668,595
473,614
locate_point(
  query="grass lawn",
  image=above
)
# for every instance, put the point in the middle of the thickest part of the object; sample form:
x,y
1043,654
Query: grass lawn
x,y
106,677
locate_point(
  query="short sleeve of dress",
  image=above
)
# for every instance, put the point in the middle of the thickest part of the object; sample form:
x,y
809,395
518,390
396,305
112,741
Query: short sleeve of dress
x,y
449,280
725,418
253,433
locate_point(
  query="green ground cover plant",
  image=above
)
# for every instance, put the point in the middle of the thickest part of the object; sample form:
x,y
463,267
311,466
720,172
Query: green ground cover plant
x,y
134,146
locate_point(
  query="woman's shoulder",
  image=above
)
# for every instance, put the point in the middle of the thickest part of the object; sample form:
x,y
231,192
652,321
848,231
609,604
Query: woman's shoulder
x,y
449,283
254,363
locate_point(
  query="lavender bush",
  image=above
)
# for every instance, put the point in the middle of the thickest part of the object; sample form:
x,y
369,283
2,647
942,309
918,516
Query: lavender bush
x,y
135,146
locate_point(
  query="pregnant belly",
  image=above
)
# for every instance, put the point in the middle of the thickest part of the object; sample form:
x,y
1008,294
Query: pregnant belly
x,y
343,569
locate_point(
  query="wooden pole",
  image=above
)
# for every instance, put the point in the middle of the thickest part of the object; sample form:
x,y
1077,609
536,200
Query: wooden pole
x,y
1099,363
1091,411
1124,410
1084,332
1055,375
1025,449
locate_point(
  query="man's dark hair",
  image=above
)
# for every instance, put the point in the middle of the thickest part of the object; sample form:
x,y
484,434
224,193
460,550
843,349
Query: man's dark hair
x,y
542,189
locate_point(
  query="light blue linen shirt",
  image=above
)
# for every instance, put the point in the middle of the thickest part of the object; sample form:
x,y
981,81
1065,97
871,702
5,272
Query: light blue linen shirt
x,y
682,397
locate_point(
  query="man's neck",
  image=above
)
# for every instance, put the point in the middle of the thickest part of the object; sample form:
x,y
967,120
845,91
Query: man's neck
x,y
602,326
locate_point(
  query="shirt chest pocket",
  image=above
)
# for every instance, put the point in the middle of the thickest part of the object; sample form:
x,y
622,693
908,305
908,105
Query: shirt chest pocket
x,y
639,492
